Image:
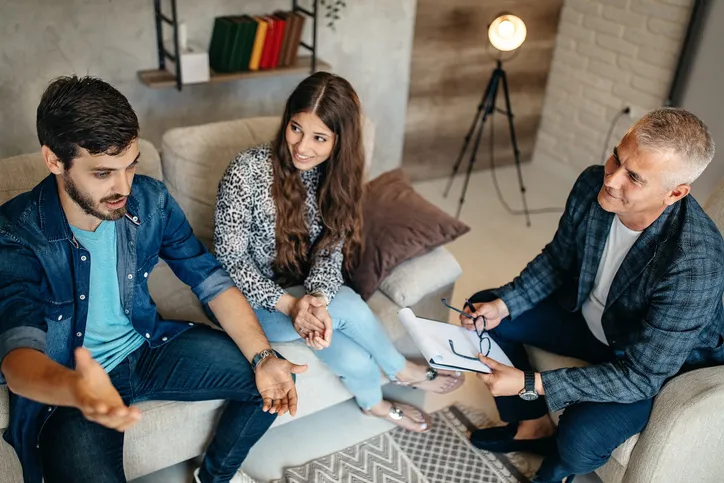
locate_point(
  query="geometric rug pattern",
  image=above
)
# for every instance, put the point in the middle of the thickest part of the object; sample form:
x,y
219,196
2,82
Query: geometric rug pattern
x,y
442,455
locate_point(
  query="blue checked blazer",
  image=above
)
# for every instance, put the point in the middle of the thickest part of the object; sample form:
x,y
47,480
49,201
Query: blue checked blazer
x,y
664,309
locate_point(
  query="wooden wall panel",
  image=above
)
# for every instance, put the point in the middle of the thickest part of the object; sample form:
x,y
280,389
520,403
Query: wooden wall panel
x,y
452,61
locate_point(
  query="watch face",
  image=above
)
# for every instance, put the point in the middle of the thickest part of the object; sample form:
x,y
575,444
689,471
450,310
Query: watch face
x,y
528,396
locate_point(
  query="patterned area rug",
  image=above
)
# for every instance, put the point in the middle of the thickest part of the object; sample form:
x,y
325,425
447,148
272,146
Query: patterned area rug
x,y
442,455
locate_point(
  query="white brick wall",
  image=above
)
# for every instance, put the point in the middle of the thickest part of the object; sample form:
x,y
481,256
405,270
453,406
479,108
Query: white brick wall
x,y
609,54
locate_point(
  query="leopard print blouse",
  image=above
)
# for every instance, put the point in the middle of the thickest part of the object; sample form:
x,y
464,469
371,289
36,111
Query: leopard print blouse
x,y
245,236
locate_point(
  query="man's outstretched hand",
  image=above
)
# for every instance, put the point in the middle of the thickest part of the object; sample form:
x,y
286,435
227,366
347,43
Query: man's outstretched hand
x,y
276,385
95,396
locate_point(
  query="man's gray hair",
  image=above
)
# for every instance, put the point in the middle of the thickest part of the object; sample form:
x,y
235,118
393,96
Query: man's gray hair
x,y
678,132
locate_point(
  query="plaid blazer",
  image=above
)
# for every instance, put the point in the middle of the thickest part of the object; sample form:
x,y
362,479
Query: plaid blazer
x,y
664,309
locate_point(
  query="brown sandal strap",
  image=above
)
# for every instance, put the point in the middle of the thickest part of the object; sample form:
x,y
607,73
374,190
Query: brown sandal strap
x,y
430,375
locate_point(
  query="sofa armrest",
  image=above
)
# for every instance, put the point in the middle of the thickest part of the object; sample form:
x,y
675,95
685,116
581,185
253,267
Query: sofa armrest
x,y
413,279
683,440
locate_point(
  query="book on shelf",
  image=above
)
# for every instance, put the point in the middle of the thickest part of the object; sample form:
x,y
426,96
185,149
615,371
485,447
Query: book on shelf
x,y
284,48
259,39
282,24
267,51
219,42
241,42
244,30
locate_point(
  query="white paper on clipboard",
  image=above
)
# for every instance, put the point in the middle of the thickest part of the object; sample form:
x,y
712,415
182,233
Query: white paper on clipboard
x,y
433,339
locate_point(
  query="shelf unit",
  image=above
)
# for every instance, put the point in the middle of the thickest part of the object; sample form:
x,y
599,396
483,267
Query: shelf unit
x,y
162,78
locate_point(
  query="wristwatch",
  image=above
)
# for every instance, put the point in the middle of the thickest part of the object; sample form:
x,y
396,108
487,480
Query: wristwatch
x,y
260,357
528,393
318,294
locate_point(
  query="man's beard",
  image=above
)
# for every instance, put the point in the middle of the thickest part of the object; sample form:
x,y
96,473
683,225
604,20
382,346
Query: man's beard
x,y
86,202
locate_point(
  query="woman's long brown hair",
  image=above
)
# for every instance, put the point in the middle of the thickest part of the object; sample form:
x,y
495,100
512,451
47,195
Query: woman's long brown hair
x,y
339,194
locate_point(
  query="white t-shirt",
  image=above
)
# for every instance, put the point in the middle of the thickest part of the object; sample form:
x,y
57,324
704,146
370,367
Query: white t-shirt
x,y
619,242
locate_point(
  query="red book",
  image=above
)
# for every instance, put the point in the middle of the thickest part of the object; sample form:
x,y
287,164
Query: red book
x,y
267,54
279,27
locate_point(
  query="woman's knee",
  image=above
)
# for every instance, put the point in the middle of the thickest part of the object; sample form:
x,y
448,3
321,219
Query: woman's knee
x,y
346,296
349,306
350,363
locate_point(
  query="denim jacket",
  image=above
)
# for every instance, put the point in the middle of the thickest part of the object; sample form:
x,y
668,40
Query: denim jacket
x,y
44,283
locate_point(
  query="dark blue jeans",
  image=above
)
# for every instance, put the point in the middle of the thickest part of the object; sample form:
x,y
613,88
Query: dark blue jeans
x,y
200,364
587,432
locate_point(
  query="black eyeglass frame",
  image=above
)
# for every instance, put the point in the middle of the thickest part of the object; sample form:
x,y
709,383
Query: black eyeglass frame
x,y
483,336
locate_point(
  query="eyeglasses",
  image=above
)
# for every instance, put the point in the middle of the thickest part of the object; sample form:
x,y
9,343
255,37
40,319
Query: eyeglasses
x,y
483,337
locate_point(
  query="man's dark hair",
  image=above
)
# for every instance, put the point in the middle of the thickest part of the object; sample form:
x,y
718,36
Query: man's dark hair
x,y
84,112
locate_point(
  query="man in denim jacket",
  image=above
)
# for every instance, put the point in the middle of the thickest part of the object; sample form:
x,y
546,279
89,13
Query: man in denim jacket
x,y
80,339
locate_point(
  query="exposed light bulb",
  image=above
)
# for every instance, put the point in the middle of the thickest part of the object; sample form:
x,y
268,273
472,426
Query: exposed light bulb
x,y
506,29
507,32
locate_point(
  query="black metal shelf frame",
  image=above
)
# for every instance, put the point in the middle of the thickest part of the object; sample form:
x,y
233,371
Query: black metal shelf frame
x,y
172,21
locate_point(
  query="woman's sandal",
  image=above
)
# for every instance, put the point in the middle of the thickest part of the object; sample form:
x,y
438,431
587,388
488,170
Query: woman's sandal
x,y
400,414
430,375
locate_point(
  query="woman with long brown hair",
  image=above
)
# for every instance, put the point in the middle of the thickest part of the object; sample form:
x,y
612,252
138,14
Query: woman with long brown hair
x,y
288,220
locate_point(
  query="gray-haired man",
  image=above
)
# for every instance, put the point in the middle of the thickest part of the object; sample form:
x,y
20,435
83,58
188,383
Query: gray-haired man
x,y
632,282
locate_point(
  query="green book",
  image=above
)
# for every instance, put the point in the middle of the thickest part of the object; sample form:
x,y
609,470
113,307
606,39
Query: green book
x,y
226,56
243,43
251,27
236,38
219,36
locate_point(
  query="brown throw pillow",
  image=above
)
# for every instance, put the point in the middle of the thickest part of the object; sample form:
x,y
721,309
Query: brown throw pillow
x,y
399,224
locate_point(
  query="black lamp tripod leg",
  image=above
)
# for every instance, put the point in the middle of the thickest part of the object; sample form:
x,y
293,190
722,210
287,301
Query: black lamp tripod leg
x,y
488,109
468,136
516,152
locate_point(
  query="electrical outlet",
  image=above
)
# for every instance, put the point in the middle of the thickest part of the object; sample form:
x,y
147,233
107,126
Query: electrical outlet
x,y
636,112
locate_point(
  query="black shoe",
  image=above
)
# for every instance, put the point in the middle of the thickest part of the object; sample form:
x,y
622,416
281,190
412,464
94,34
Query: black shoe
x,y
502,440
495,433
569,479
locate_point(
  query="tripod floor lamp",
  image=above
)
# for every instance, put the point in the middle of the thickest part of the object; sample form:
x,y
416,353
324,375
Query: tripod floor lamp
x,y
506,33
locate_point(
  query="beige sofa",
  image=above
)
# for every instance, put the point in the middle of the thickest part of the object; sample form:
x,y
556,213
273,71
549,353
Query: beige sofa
x,y
684,439
191,163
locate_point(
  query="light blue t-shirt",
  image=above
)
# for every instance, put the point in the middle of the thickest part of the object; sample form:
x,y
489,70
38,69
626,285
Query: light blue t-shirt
x,y
109,335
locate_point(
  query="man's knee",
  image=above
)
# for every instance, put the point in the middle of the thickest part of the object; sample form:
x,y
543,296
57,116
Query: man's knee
x,y
589,432
583,452
509,332
74,449
483,296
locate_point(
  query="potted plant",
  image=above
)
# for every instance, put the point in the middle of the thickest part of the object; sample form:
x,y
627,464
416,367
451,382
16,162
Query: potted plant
x,y
332,9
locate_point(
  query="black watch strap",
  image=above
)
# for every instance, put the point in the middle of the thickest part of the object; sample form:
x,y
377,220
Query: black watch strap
x,y
530,381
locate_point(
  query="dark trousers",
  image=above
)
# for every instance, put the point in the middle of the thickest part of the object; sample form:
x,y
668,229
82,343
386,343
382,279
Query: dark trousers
x,y
587,432
200,364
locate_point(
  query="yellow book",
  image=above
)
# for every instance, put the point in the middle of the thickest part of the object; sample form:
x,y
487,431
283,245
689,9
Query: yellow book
x,y
258,43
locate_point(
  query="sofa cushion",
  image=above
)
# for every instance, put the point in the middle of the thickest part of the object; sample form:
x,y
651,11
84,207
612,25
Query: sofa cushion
x,y
194,159
21,173
399,225
175,301
413,279
171,431
547,361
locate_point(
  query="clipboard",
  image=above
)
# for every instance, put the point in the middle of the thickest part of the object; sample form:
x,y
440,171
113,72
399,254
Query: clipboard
x,y
432,338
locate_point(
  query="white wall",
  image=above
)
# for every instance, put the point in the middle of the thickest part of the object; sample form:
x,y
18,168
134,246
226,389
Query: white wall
x,y
113,39
704,94
609,54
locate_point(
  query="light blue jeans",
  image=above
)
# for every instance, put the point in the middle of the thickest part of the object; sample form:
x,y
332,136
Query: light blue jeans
x,y
359,348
